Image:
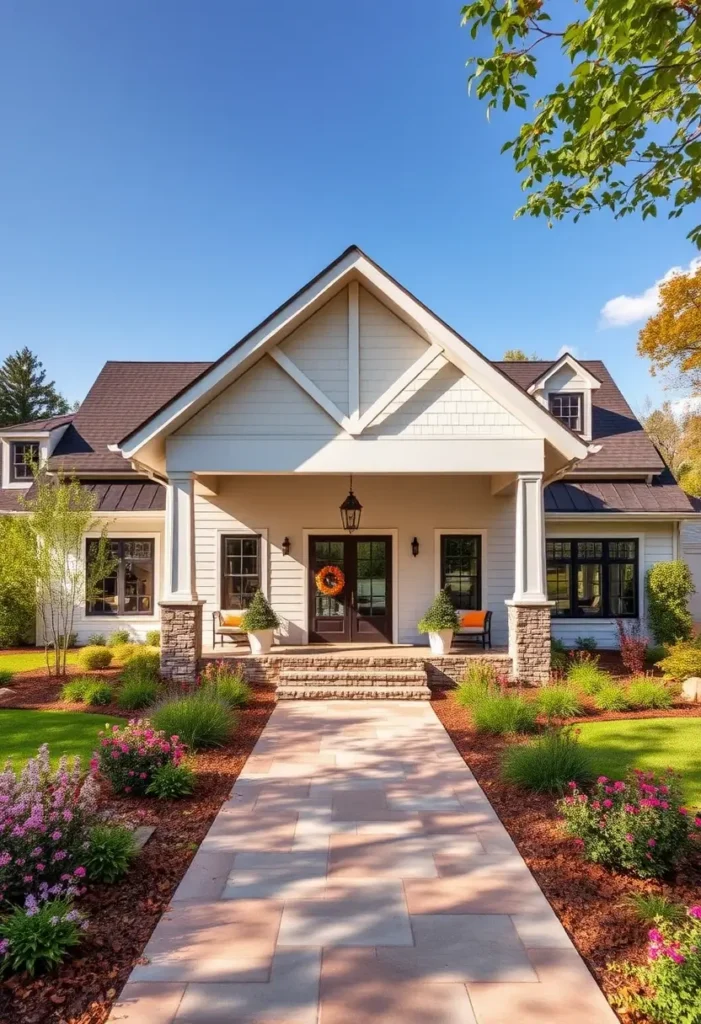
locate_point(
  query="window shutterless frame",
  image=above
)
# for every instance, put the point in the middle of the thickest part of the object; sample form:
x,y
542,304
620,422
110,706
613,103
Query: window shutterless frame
x,y
461,561
565,557
20,452
130,588
568,407
240,569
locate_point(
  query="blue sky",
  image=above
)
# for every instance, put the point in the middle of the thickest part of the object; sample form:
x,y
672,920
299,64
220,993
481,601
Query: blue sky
x,y
172,171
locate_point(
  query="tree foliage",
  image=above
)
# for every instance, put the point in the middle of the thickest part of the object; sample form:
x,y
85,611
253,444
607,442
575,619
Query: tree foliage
x,y
621,130
671,339
25,394
517,355
669,586
677,437
17,590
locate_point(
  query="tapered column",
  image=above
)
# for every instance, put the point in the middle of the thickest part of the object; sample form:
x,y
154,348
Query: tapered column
x,y
181,611
529,611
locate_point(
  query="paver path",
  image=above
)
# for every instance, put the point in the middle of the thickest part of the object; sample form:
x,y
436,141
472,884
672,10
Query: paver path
x,y
358,873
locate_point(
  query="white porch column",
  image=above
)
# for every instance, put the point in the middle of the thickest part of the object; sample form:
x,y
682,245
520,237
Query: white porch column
x,y
529,611
181,612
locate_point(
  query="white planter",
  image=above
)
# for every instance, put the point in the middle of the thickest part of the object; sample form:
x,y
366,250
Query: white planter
x,y
441,641
261,641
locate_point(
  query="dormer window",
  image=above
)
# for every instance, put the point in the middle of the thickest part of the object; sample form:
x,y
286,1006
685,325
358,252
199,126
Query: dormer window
x,y
24,455
567,408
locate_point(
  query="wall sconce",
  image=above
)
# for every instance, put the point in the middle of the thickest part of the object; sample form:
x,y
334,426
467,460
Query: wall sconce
x,y
286,546
414,547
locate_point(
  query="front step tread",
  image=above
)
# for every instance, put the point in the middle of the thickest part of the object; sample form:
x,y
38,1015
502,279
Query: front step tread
x,y
311,692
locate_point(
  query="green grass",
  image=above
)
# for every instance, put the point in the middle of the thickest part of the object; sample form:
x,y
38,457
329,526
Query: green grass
x,y
31,659
648,743
66,732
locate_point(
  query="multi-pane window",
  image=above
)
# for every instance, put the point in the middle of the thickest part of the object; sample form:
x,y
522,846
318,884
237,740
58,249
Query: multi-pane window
x,y
25,454
128,590
567,407
590,579
240,570
461,570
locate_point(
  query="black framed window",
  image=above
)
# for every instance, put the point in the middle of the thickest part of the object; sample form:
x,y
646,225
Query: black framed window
x,y
593,579
24,454
461,570
129,589
567,407
240,570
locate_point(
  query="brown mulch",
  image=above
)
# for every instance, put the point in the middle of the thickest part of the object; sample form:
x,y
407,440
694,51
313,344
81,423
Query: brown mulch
x,y
123,916
586,897
38,690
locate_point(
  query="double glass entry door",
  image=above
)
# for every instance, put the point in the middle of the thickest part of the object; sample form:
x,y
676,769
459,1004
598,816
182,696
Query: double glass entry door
x,y
362,610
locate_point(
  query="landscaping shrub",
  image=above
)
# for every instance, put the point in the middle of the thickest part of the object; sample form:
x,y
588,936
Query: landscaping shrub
x,y
669,586
505,713
124,652
668,985
683,660
73,692
655,653
142,664
44,818
633,645
440,615
611,697
97,640
136,694
558,702
153,638
200,719
129,755
586,643
585,673
6,677
651,907
36,938
558,655
227,683
97,693
171,782
481,680
120,636
110,852
91,658
547,763
638,825
645,692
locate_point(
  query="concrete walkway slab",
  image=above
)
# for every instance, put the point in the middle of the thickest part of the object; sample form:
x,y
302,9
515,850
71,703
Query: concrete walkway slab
x,y
358,874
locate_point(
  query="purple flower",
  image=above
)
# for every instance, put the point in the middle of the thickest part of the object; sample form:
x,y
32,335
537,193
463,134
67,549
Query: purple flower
x,y
79,872
695,912
4,946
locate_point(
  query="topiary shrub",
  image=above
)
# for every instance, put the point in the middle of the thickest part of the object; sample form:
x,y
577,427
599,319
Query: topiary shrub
x,y
136,694
259,615
683,660
440,615
172,782
200,719
558,702
91,658
153,638
111,849
669,586
645,692
504,714
547,763
120,636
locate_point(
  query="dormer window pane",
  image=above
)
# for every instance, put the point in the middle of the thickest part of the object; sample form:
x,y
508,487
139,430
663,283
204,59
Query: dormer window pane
x,y
567,408
25,454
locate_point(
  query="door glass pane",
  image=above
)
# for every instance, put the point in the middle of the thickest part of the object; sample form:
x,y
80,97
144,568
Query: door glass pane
x,y
372,577
328,552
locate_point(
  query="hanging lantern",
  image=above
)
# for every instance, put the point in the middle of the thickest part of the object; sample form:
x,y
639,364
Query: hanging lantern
x,y
350,511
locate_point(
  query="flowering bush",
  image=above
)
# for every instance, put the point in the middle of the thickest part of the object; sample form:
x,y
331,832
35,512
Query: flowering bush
x,y
633,644
639,825
37,937
128,756
44,818
671,979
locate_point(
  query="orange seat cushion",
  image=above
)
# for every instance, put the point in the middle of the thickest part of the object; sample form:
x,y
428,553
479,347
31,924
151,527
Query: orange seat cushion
x,y
228,619
473,619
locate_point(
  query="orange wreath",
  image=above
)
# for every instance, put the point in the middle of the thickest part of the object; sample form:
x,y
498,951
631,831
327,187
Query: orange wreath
x,y
330,580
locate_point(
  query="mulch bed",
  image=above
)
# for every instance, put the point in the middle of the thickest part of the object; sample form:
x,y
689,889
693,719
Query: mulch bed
x,y
123,916
586,897
37,690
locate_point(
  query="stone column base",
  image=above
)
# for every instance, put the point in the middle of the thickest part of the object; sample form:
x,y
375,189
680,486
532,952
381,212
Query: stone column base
x,y
181,640
529,641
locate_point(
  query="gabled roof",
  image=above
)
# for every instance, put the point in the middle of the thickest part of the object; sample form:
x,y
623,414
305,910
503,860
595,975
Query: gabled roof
x,y
566,359
38,426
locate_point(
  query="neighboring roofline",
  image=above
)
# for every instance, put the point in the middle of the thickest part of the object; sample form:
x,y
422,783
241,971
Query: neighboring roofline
x,y
566,357
27,428
452,343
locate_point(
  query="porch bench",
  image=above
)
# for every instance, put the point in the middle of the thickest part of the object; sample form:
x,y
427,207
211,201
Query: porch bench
x,y
474,627
224,627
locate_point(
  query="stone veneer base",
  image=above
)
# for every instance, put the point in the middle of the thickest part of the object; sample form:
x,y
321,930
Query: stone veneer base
x,y
529,642
181,640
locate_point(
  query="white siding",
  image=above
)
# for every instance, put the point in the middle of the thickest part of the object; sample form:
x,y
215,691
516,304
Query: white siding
x,y
265,401
655,544
320,349
285,506
442,401
388,347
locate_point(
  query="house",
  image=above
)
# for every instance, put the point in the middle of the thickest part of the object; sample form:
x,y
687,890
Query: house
x,y
530,488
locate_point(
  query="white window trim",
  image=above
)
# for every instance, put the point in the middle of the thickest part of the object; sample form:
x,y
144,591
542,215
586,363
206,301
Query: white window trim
x,y
7,443
583,534
336,532
243,531
459,531
129,535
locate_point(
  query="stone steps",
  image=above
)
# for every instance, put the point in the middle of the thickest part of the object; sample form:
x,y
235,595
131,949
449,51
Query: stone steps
x,y
312,691
348,678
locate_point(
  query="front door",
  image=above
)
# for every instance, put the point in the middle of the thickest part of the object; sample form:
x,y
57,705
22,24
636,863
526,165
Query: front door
x,y
361,612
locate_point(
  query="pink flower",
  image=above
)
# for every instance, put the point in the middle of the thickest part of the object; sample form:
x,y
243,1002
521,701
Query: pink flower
x,y
602,780
629,808
629,838
79,872
619,786
652,842
571,785
579,843
608,803
595,804
56,835
115,754
683,810
664,805
697,822
583,798
695,912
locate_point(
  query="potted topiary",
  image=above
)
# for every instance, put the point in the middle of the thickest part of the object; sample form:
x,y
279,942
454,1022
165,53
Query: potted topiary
x,y
440,622
259,620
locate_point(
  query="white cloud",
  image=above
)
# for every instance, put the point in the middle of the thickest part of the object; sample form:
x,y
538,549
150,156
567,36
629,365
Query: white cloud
x,y
631,309
572,349
682,406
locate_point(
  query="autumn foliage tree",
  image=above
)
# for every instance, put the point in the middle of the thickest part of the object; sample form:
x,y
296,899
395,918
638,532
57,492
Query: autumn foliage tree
x,y
671,339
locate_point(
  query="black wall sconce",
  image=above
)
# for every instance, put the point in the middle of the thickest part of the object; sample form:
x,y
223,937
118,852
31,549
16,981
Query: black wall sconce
x,y
286,546
415,547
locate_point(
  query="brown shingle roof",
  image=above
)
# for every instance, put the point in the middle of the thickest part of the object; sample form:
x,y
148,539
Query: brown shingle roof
x,y
47,424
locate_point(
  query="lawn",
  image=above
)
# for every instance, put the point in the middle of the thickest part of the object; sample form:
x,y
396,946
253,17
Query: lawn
x,y
30,659
649,743
66,732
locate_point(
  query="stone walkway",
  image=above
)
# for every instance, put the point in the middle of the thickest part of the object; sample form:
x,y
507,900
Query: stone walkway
x,y
358,873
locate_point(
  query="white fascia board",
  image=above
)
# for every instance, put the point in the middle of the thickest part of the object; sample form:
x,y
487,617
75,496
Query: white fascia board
x,y
25,435
476,366
565,360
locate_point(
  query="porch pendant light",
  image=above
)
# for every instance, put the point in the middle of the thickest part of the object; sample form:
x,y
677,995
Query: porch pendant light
x,y
350,511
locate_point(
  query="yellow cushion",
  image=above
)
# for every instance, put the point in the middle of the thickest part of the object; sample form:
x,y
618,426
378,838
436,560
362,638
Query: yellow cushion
x,y
229,619
474,619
